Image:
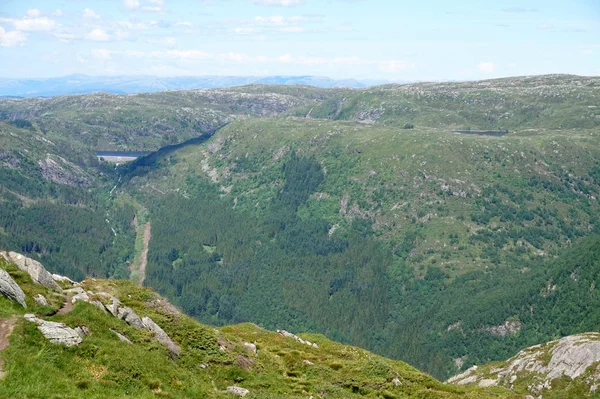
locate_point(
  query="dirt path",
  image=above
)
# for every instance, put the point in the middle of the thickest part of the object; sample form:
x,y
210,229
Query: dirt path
x,y
66,307
144,254
6,327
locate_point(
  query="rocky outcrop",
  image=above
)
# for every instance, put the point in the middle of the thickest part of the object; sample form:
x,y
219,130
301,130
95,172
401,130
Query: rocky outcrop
x,y
161,336
57,333
36,271
575,356
509,327
10,289
130,317
297,338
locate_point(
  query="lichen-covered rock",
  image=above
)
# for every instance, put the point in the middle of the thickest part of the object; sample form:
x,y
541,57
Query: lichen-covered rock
x,y
161,336
62,279
57,333
238,391
10,289
575,357
36,271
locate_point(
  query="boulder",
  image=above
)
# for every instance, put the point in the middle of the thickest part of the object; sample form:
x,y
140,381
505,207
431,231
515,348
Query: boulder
x,y
10,289
41,300
130,317
80,297
57,333
161,336
36,271
250,347
238,391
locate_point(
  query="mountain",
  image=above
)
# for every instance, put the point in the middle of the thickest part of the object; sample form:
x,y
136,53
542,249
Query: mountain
x,y
444,224
566,367
82,84
105,338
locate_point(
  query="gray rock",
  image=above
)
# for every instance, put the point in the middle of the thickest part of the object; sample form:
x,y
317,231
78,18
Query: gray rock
x,y
74,290
80,297
36,271
238,391
130,317
10,289
57,333
161,336
113,306
83,331
62,279
297,338
41,300
250,347
122,337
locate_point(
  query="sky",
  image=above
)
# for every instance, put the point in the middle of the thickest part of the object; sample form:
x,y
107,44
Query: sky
x,y
362,39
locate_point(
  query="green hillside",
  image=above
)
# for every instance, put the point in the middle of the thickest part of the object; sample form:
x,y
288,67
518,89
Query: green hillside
x,y
116,358
358,214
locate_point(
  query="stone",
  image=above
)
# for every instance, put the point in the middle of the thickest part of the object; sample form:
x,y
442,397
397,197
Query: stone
x,y
36,271
308,362
83,331
238,391
57,333
297,338
80,297
396,381
122,337
62,279
10,289
130,317
161,336
40,300
250,347
75,290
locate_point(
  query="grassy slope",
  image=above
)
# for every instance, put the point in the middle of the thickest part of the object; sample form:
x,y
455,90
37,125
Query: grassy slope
x,y
426,180
103,366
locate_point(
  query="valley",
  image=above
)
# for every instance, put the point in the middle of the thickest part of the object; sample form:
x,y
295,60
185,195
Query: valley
x,y
322,211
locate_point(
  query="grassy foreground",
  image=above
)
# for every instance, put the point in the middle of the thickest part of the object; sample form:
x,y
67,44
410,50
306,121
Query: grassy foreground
x,y
211,360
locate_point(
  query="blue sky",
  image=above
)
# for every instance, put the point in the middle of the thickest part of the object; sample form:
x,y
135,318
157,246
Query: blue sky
x,y
365,39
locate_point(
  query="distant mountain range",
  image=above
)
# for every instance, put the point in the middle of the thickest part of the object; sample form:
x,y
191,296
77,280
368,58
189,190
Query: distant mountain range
x,y
82,84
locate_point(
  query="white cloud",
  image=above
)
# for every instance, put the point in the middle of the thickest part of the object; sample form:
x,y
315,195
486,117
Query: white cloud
x,y
183,54
34,12
546,27
65,37
486,67
101,53
185,23
90,14
58,13
292,29
98,35
396,66
245,31
28,24
131,4
12,38
279,3
156,6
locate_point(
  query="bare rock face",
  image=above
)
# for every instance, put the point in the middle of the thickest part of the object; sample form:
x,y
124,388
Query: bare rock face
x,y
10,289
35,269
250,347
505,329
575,356
57,333
161,336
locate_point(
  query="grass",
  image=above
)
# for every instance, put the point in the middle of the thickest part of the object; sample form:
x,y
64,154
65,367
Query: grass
x,y
211,360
